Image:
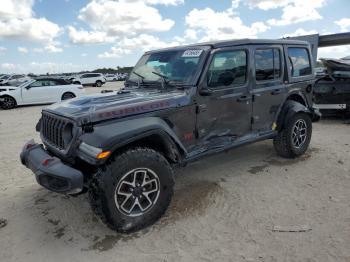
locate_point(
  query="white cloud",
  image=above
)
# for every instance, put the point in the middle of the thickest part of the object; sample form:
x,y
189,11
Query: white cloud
x,y
344,24
22,49
114,52
267,4
16,9
84,54
112,20
53,47
143,42
17,21
8,66
298,11
33,29
2,49
43,67
161,2
334,51
86,37
301,31
221,25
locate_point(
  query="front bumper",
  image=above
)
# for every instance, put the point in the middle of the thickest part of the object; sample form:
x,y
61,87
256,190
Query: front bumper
x,y
51,172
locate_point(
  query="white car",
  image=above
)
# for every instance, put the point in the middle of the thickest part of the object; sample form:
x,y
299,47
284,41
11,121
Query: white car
x,y
94,79
40,91
111,77
13,79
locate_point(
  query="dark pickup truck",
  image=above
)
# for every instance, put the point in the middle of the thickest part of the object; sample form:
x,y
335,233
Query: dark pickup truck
x,y
178,105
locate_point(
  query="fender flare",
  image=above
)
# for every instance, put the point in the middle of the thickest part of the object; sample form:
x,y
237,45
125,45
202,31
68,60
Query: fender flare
x,y
112,136
289,109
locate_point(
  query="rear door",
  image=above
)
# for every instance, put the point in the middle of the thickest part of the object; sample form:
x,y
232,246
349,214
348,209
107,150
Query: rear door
x,y
268,90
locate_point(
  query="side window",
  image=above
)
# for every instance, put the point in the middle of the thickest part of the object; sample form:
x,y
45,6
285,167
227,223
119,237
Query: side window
x,y
54,83
267,64
38,83
228,68
300,61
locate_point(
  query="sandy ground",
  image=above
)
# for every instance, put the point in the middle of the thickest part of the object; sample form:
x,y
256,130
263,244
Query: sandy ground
x,y
225,207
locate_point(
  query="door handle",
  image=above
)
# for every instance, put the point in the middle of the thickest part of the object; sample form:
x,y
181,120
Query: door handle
x,y
276,92
243,98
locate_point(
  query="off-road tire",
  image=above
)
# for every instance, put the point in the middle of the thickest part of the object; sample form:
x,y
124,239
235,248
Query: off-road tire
x,y
283,141
9,103
103,187
67,95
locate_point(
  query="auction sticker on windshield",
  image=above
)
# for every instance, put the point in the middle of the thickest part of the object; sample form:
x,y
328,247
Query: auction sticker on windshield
x,y
192,53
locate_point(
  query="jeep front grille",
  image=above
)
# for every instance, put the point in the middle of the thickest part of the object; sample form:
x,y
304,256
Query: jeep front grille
x,y
56,131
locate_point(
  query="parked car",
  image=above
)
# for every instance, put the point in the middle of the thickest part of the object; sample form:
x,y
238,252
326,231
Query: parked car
x,y
178,105
332,89
111,77
40,91
94,79
13,80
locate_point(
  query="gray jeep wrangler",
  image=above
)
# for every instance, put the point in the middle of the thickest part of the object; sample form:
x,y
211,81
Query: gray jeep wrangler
x,y
178,105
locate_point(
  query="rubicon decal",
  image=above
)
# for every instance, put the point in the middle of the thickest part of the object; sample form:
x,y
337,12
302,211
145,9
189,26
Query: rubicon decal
x,y
135,109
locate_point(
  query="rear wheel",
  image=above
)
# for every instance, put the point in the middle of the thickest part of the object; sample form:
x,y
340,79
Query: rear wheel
x,y
133,190
294,139
8,103
67,96
98,84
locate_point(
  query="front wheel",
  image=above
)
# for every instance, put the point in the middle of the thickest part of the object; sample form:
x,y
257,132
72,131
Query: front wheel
x,y
294,139
8,103
133,190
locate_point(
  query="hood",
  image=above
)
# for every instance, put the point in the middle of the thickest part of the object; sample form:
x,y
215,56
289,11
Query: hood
x,y
113,105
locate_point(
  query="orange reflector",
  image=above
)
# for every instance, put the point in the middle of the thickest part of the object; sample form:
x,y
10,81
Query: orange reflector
x,y
103,154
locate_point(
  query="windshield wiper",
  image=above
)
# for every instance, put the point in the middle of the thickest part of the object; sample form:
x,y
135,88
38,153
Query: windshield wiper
x,y
163,77
140,77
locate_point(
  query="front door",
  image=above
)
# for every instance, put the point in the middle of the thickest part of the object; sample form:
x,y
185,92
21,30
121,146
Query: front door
x,y
38,92
224,101
269,90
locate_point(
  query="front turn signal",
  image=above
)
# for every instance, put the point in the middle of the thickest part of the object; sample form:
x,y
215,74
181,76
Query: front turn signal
x,y
103,154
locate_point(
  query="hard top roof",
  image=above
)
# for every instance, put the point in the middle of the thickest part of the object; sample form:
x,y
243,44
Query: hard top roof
x,y
238,42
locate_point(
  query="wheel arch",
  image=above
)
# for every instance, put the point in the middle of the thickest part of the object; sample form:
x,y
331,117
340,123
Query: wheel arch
x,y
158,141
288,110
151,132
297,97
68,92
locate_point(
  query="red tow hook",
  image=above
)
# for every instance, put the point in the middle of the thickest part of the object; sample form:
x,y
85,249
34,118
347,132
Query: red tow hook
x,y
47,161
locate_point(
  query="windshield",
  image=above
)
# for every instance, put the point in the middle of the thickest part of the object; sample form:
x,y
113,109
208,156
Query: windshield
x,y
5,77
176,65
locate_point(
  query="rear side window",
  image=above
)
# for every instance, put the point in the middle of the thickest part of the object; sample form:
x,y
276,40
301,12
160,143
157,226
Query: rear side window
x,y
300,61
267,64
228,68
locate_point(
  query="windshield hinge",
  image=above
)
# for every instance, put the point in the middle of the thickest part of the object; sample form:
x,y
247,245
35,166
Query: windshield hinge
x,y
88,128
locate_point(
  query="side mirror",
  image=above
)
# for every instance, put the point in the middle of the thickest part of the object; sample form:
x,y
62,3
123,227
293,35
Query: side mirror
x,y
205,92
27,87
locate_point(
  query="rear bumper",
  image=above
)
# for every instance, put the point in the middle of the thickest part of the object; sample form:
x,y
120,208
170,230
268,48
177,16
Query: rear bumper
x,y
51,172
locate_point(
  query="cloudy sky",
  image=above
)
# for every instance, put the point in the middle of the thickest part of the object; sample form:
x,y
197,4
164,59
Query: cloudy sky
x,y
42,36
